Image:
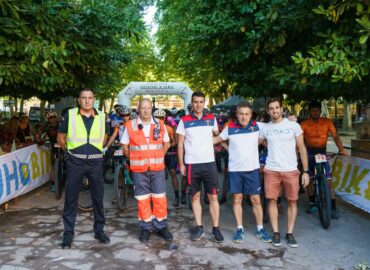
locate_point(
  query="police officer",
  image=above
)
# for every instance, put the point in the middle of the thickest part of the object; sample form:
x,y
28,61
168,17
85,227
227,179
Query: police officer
x,y
82,134
145,141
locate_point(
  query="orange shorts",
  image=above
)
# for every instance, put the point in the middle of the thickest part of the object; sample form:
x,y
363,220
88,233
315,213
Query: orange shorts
x,y
274,179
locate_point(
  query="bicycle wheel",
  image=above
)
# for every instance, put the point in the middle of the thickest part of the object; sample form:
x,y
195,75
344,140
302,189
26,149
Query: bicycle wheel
x,y
323,201
108,171
58,177
108,176
84,198
120,187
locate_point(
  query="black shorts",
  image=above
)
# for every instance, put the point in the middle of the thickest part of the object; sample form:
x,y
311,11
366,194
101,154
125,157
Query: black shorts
x,y
171,162
205,173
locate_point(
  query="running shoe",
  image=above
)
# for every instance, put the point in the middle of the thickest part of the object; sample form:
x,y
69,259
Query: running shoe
x,y
217,235
238,236
335,213
263,235
198,233
291,240
312,208
276,242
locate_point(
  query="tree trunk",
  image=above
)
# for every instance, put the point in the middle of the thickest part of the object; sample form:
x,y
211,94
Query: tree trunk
x,y
21,105
16,104
101,103
111,105
324,109
347,117
42,111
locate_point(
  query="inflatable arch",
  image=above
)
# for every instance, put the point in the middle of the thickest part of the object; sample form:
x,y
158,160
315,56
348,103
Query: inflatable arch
x,y
155,88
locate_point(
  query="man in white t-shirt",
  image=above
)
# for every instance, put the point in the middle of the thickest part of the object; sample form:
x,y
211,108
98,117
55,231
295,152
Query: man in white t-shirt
x,y
194,134
282,137
243,169
145,141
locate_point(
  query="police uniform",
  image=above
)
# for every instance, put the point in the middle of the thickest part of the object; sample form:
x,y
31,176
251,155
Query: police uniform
x,y
84,143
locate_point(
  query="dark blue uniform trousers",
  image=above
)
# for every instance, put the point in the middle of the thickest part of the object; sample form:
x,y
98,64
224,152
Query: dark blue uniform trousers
x,y
77,169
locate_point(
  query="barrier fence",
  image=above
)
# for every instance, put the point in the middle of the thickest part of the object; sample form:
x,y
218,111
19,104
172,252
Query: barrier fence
x,y
23,170
351,180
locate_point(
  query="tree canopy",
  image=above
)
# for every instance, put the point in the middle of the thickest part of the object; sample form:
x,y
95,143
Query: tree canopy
x,y
49,48
303,49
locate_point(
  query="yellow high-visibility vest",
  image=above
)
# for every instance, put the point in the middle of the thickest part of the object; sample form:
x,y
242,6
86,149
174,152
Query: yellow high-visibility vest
x,y
77,133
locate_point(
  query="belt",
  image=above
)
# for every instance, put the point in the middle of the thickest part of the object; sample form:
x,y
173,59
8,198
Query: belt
x,y
82,156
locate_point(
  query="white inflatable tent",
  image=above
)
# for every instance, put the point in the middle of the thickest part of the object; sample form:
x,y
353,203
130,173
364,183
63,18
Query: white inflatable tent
x,y
155,88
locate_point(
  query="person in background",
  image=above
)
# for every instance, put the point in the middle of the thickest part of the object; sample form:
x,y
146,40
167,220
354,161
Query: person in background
x,y
316,132
9,133
24,132
125,114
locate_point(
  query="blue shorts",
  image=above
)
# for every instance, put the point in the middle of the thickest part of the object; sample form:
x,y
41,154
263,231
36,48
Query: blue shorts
x,y
248,183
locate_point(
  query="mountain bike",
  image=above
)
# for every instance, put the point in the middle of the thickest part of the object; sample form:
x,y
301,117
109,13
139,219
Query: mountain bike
x,y
322,191
84,198
122,180
110,163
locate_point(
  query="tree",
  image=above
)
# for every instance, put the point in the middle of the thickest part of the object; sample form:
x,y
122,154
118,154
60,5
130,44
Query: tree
x,y
49,48
255,48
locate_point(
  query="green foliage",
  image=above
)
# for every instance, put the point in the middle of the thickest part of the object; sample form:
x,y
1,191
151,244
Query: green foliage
x,y
48,48
303,49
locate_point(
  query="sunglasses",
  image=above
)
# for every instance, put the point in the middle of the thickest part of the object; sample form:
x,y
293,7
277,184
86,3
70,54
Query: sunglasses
x,y
52,117
126,115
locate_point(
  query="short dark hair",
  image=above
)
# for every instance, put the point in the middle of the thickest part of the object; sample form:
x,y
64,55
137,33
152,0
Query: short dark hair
x,y
273,99
244,104
197,94
314,104
85,89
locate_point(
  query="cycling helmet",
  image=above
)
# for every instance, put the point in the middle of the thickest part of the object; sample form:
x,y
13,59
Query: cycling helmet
x,y
174,112
119,109
133,115
159,113
51,114
126,110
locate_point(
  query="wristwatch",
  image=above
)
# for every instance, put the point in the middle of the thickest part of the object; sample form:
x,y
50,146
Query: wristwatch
x,y
306,171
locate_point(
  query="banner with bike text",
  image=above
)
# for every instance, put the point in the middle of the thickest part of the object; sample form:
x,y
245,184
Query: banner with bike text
x,y
23,170
351,180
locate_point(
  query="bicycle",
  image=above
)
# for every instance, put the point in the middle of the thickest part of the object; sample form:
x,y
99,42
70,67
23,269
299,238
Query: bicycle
x,y
84,198
322,191
122,180
110,163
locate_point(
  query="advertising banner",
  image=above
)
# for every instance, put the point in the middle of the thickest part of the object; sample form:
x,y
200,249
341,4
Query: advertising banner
x,y
351,180
23,170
